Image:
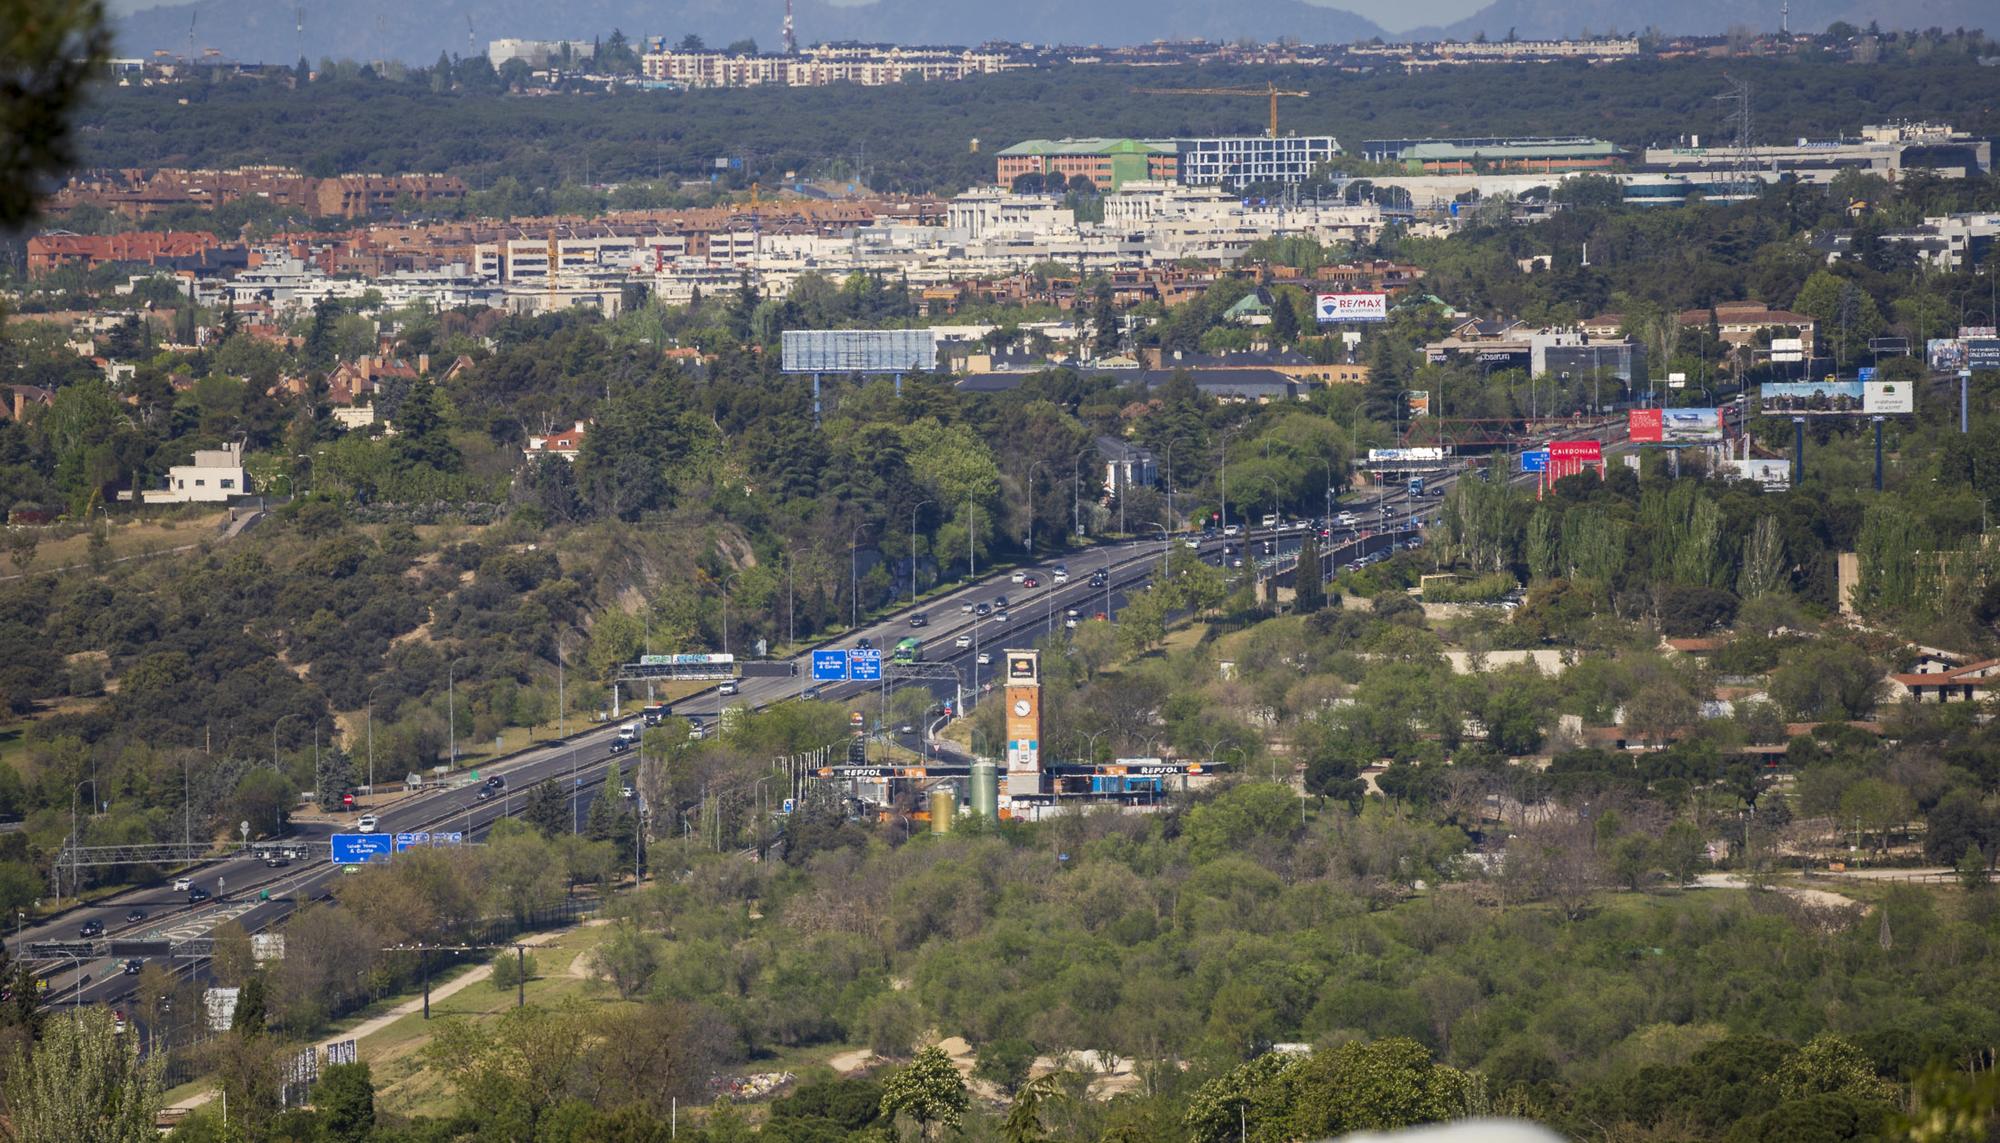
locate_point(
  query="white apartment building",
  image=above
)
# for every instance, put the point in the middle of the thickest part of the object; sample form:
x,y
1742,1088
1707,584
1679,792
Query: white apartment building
x,y
214,476
1244,159
871,65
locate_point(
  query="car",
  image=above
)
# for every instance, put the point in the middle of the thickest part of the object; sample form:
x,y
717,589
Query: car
x,y
134,966
90,929
906,728
920,619
999,601
1073,613
1070,623
183,884
983,610
985,658
197,895
699,730
277,861
728,686
1018,577
627,792
1000,616
962,642
135,916
620,745
1031,582
1059,578
366,822
1191,544
1232,529
499,781
965,608
1236,561
808,693
118,1023
1434,490
488,793
864,643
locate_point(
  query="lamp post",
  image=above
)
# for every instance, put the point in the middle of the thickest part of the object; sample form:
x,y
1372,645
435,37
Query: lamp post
x,y
1031,507
1225,475
76,839
921,505
1076,493
371,734
854,576
1166,544
451,709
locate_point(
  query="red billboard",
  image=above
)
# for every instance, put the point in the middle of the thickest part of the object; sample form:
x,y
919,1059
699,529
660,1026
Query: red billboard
x,y
1645,426
1576,452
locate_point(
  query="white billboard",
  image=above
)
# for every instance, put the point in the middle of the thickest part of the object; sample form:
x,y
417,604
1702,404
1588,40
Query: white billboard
x,y
859,350
1333,308
1883,398
1405,455
1788,349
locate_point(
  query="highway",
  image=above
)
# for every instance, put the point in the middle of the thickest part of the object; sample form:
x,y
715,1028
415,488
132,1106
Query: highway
x,y
239,884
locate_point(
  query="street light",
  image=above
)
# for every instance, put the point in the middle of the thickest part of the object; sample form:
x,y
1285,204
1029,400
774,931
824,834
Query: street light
x,y
1225,474
371,733
1166,545
854,576
75,839
921,505
451,708
1031,507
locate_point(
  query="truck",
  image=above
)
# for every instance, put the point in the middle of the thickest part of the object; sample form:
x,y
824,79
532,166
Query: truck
x,y
1416,486
654,714
910,650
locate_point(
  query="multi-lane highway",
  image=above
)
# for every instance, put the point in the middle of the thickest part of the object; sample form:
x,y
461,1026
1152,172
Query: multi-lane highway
x,y
246,890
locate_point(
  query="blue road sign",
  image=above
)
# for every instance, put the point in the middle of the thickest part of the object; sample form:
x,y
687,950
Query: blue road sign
x,y
452,838
866,665
829,666
361,848
406,840
1535,461
1865,373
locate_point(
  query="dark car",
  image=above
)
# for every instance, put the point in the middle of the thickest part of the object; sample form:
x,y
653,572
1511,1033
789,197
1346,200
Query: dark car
x,y
488,793
983,609
497,782
197,895
865,644
134,966
277,861
135,916
920,619
809,693
90,929
1000,601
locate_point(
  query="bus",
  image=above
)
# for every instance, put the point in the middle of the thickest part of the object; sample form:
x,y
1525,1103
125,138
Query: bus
x,y
909,650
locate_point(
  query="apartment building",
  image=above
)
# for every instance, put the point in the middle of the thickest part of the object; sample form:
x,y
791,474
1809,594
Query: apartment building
x,y
1245,159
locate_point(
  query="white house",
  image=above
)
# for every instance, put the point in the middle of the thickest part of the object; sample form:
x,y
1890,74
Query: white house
x,y
215,476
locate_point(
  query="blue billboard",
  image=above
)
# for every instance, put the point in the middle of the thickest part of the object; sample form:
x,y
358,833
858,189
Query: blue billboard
x,y
829,666
1535,461
361,848
866,666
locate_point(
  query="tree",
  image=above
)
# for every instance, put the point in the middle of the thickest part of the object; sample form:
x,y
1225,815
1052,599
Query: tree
x,y
1309,590
929,1091
345,1098
1830,1065
1005,1063
628,958
83,1083
1375,1087
49,50
548,809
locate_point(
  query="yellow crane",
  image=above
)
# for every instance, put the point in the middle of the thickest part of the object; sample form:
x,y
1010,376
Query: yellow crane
x,y
1269,91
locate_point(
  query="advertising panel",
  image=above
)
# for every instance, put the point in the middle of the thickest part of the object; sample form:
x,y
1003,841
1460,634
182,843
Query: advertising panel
x,y
1982,353
859,350
829,666
1420,402
1352,307
1645,426
1690,426
1576,452
686,660
1405,455
1816,398
1945,355
1883,398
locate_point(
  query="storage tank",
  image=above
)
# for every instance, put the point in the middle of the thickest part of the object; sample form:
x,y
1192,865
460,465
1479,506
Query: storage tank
x,y
944,807
986,788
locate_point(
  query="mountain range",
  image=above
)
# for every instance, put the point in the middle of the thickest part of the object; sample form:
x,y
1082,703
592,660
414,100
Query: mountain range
x,y
278,31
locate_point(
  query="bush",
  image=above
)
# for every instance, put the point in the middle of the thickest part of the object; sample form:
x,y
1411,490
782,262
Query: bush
x,y
511,969
1485,589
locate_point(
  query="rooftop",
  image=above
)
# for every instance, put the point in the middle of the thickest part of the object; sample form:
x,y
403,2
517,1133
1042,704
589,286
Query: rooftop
x,y
1091,147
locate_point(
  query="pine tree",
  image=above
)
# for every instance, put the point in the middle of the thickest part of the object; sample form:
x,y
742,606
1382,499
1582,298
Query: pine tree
x,y
602,822
1309,591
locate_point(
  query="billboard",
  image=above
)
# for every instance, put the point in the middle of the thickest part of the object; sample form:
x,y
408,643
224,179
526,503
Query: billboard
x,y
1420,402
361,848
1576,452
1881,398
686,660
1945,355
1674,426
1332,308
1405,455
1982,353
859,350
1828,398
1645,426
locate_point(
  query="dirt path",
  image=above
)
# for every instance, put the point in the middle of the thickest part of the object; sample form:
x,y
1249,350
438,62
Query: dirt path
x,y
1824,898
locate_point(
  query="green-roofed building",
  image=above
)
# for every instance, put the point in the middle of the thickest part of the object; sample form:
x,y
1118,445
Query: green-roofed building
x,y
1110,163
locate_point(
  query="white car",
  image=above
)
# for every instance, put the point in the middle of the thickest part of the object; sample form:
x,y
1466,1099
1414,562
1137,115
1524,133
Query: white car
x,y
986,658
727,688
183,884
1059,578
1018,576
365,823
962,642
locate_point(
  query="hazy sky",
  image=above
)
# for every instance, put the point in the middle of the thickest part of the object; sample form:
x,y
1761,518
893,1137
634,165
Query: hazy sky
x,y
1395,15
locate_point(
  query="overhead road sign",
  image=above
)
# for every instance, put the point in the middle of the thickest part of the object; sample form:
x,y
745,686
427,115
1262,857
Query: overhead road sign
x,y
829,666
778,669
61,950
362,848
864,666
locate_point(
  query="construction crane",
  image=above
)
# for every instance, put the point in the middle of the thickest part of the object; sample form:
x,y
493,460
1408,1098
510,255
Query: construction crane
x,y
1269,91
